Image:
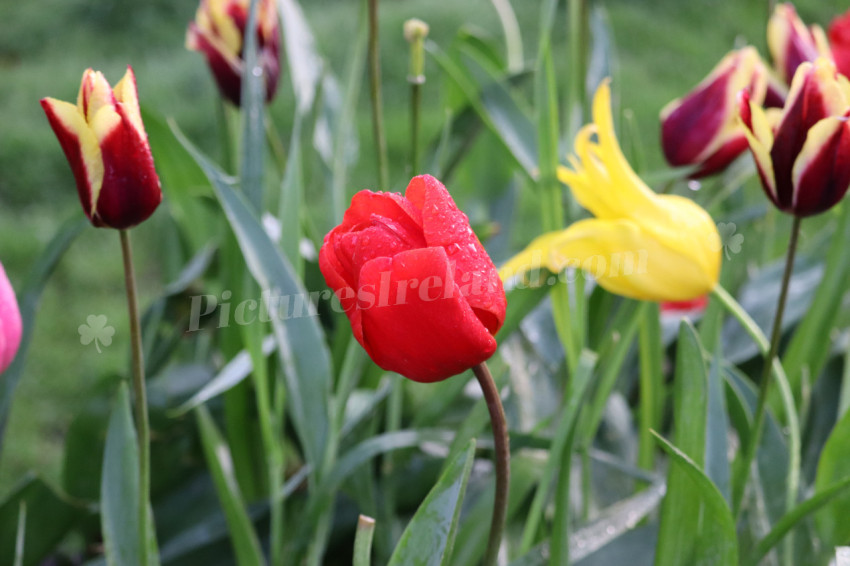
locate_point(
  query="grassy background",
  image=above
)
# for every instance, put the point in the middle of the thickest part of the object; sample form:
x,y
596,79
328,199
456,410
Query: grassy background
x,y
664,48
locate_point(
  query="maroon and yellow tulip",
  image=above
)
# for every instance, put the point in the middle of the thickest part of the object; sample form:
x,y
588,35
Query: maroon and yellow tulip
x,y
805,164
219,31
791,43
106,145
702,128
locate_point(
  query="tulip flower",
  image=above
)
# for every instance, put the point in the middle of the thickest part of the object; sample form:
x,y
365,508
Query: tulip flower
x,y
423,297
10,322
640,245
805,165
106,145
219,32
839,42
790,42
702,128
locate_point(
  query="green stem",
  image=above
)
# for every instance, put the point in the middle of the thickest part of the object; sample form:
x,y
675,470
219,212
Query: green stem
x,y
377,103
650,382
758,420
415,103
502,460
139,395
363,541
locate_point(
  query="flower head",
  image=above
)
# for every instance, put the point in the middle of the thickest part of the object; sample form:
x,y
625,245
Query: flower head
x,y
805,165
10,322
422,295
790,42
640,244
106,145
219,32
702,128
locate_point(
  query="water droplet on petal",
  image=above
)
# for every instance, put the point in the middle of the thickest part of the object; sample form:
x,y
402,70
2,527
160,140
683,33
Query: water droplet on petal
x,y
694,185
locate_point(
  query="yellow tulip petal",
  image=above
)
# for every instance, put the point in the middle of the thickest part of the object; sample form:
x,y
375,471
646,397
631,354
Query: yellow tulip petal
x,y
628,261
126,93
73,121
535,256
760,139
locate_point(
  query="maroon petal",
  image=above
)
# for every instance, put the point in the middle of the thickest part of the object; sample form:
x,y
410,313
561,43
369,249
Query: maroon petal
x,y
131,190
826,176
446,226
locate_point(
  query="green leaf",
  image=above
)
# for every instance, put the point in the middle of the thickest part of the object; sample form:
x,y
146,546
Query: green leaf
x,y
217,454
821,498
119,488
832,523
717,431
428,538
300,339
715,543
561,448
232,374
183,182
29,297
494,105
679,532
305,64
49,517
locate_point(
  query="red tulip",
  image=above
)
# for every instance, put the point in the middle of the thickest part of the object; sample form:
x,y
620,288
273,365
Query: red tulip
x,y
10,322
790,42
702,128
805,165
423,297
106,145
839,41
219,31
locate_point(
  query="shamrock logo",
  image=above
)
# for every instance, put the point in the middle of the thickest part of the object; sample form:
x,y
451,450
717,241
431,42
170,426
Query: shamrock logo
x,y
729,240
96,331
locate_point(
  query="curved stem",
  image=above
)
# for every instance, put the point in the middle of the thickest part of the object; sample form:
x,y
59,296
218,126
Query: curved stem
x,y
140,399
758,420
502,460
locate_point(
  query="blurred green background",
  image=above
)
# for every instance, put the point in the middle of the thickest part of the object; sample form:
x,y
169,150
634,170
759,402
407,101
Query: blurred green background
x,y
664,47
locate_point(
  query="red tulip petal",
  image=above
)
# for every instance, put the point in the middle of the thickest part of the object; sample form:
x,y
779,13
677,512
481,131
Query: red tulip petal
x,y
822,172
366,204
381,237
226,69
720,159
336,280
415,320
446,226
839,41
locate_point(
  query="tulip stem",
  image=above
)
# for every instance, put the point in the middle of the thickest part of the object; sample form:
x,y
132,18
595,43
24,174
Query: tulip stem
x,y
139,395
502,460
758,420
377,103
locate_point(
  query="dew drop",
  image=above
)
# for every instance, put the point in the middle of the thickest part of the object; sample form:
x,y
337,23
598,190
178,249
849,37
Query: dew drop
x,y
694,185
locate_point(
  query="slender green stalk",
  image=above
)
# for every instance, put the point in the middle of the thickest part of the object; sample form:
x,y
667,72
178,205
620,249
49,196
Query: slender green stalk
x,y
275,144
363,541
502,460
415,32
513,37
577,38
140,398
750,449
650,382
227,162
377,102
21,533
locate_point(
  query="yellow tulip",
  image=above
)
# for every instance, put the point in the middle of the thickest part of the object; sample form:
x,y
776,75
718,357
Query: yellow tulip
x,y
640,244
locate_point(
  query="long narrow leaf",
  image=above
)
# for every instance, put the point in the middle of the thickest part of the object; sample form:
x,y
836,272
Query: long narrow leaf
x,y
301,344
119,489
429,537
246,547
